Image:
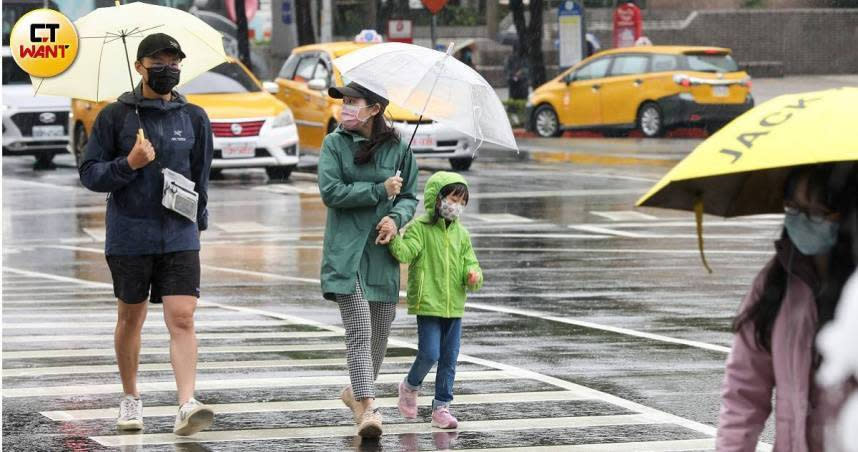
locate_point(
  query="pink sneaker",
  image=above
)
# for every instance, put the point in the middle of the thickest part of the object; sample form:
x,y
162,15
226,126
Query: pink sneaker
x,y
441,418
407,401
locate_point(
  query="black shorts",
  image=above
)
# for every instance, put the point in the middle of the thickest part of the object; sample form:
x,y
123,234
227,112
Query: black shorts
x,y
167,274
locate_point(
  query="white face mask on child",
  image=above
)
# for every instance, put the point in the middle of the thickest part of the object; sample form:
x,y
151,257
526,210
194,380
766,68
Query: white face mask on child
x,y
451,210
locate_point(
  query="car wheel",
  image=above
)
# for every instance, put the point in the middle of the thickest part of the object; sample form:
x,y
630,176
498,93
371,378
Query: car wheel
x,y
279,173
461,164
650,120
79,146
545,122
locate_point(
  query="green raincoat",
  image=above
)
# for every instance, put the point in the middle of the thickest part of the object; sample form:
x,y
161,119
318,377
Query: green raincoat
x,y
357,201
439,258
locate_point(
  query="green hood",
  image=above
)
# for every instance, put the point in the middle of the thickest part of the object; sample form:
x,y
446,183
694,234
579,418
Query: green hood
x,y
434,185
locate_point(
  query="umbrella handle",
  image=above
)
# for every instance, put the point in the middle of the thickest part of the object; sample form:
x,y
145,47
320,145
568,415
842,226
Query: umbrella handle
x,y
398,173
698,217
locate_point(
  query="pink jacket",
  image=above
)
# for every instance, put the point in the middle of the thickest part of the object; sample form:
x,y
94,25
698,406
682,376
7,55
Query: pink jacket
x,y
752,373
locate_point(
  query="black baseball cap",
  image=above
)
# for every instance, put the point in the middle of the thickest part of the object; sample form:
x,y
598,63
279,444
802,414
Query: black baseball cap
x,y
355,89
158,42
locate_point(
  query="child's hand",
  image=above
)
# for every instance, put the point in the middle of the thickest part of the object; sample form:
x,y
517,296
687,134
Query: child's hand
x,y
473,277
386,230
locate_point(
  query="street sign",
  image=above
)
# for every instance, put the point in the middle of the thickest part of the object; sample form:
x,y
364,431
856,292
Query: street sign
x,y
434,6
571,33
400,31
287,12
628,25
415,4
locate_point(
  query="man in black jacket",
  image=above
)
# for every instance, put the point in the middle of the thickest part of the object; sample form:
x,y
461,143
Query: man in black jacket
x,y
148,245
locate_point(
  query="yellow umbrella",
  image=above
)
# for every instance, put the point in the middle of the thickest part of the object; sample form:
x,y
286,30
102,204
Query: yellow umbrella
x,y
742,168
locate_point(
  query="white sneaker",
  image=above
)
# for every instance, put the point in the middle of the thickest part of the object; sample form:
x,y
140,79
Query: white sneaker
x,y
192,418
130,413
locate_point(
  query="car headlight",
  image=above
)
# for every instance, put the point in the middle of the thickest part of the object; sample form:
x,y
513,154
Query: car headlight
x,y
285,119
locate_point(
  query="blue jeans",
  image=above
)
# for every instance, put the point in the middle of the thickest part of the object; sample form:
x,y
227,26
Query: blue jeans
x,y
438,342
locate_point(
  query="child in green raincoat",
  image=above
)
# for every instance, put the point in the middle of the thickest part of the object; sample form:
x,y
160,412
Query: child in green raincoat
x,y
442,266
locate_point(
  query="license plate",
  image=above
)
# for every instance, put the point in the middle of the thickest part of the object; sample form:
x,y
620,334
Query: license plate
x,y
720,91
423,141
48,131
239,151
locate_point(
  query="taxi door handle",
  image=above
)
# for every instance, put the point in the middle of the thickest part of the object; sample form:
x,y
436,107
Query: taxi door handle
x,y
638,82
596,87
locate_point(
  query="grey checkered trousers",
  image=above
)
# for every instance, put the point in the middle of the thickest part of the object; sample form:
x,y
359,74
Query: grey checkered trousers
x,y
367,327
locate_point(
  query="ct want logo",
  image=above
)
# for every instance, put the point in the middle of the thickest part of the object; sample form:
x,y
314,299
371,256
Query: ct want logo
x,y
44,43
236,128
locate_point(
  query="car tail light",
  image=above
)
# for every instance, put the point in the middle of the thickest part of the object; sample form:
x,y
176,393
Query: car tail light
x,y
694,118
746,83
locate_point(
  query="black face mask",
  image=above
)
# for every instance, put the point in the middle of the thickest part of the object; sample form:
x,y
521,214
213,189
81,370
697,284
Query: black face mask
x,y
163,81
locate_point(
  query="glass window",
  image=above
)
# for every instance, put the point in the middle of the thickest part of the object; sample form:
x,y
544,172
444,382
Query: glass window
x,y
664,63
322,72
629,65
12,74
596,69
289,67
305,70
223,79
711,63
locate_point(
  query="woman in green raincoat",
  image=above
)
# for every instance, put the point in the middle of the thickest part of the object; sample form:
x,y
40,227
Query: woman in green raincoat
x,y
367,204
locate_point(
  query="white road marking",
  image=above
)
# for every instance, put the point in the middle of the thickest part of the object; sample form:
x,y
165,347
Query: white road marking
x,y
555,194
540,236
112,325
97,234
236,383
243,227
607,231
643,446
596,326
389,429
106,338
317,405
27,183
237,349
262,274
623,215
501,218
38,295
57,278
210,365
513,370
693,252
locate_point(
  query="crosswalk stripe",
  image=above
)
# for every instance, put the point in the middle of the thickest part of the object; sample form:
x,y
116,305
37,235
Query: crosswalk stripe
x,y
61,301
108,338
67,353
237,383
389,429
37,294
642,446
110,314
211,365
112,325
318,405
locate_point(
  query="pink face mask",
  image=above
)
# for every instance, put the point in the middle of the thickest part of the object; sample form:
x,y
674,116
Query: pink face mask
x,y
351,117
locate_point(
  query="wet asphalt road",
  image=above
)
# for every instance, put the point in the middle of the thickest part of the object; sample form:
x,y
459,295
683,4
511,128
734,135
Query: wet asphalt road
x,y
597,329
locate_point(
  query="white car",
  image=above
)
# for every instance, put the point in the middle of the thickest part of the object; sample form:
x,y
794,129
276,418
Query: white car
x,y
32,125
434,140
252,129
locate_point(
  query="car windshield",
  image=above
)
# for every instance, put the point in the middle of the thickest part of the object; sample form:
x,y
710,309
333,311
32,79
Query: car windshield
x,y
227,78
12,74
712,63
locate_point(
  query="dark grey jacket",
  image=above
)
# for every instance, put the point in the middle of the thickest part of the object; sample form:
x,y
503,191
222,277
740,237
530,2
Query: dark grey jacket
x,y
137,223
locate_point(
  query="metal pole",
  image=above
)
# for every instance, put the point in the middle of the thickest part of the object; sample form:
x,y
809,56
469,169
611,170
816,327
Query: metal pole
x,y
432,28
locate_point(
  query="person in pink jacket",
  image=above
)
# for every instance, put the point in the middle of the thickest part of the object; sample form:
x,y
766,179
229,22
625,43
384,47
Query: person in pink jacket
x,y
792,297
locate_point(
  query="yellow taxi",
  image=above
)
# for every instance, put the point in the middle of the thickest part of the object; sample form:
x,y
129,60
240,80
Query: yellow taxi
x,y
303,83
651,88
250,127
